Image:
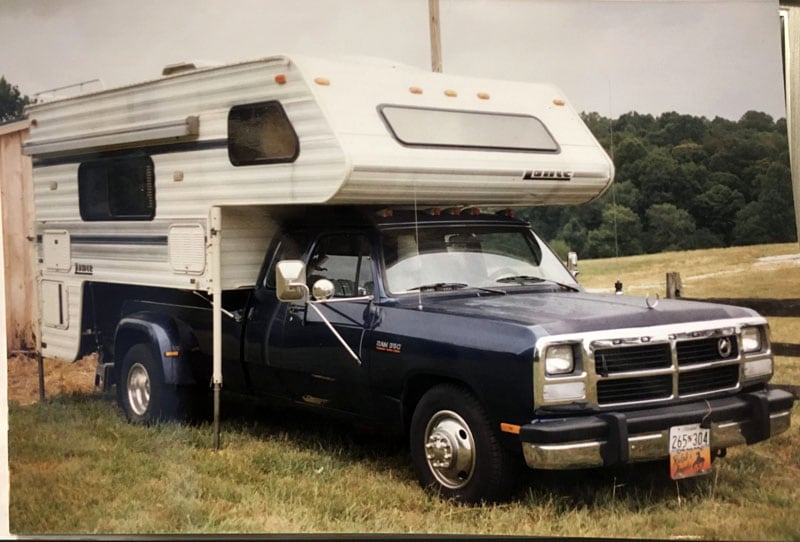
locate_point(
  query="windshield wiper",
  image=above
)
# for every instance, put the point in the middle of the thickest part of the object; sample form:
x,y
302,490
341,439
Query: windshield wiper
x,y
527,279
439,287
521,279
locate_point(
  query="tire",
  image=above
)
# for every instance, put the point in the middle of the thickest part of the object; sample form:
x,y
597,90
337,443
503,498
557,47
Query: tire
x,y
455,451
141,391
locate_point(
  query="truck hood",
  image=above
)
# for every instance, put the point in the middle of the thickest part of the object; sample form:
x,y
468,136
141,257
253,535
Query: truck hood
x,y
571,312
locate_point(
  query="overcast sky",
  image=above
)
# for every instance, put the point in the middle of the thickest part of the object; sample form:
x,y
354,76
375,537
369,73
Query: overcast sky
x,y
701,57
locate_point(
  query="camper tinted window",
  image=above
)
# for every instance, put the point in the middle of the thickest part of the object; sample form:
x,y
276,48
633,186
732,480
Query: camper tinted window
x,y
117,189
467,129
261,134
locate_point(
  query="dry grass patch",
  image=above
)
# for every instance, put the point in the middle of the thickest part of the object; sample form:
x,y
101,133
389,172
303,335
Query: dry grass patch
x,y
760,271
59,378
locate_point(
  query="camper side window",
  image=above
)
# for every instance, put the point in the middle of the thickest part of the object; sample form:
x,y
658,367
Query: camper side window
x,y
261,133
120,188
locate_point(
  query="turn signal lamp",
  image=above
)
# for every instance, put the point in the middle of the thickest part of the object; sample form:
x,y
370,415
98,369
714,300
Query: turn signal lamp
x,y
758,368
280,79
564,391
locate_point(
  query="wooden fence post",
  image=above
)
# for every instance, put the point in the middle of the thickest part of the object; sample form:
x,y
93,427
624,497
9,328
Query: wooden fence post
x,y
674,286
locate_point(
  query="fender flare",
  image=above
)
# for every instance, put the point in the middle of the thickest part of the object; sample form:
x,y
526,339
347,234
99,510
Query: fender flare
x,y
166,336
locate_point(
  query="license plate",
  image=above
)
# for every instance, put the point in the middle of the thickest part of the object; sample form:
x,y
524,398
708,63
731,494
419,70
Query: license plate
x,y
689,451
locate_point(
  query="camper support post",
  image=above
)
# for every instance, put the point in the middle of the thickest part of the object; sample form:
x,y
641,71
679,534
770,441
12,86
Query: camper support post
x,y
215,254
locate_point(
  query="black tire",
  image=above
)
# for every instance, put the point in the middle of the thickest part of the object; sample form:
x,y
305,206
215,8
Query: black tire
x,y
455,451
141,391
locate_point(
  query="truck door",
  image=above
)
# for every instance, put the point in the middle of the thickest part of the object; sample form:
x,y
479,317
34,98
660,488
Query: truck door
x,y
263,334
318,368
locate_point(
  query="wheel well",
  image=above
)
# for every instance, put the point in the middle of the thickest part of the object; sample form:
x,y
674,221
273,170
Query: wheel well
x,y
124,341
417,386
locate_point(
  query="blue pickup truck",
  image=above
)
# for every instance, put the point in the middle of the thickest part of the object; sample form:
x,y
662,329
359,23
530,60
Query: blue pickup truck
x,y
463,331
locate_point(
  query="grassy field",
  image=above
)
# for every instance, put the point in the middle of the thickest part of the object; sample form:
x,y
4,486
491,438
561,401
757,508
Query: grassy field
x,y
77,467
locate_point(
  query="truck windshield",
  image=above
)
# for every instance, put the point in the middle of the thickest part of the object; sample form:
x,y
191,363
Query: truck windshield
x,y
448,257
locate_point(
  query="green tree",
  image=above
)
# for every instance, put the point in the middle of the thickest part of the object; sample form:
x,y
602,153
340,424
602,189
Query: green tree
x,y
716,208
756,120
12,101
619,234
769,219
668,228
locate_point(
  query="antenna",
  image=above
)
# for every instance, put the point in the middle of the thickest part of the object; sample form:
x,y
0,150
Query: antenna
x,y
419,254
617,284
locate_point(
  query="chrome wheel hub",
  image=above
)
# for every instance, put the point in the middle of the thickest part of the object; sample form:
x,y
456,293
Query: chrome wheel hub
x,y
450,449
138,386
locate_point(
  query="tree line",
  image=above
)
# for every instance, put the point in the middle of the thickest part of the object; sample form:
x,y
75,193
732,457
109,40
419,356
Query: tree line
x,y
682,182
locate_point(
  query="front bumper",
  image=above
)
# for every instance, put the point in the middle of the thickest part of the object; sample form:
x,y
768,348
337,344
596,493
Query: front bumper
x,y
623,437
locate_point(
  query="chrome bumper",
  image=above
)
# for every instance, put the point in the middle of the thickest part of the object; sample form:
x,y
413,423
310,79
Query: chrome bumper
x,y
614,438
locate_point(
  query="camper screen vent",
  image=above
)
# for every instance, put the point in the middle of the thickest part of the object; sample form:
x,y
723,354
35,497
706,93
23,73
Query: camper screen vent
x,y
117,189
261,133
424,127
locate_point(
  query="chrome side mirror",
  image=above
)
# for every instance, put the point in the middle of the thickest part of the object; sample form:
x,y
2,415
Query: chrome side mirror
x,y
323,290
290,281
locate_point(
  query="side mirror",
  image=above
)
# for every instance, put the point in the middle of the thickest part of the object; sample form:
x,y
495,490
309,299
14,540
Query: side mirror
x,y
323,290
290,281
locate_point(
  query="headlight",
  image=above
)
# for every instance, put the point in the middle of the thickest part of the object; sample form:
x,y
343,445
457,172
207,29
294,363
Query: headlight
x,y
751,340
559,360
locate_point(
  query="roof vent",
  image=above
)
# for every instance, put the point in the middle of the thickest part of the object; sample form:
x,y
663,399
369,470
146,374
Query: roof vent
x,y
183,67
180,67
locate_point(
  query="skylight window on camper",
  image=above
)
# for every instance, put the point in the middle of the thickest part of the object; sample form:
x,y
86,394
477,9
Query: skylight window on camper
x,y
261,133
117,189
423,127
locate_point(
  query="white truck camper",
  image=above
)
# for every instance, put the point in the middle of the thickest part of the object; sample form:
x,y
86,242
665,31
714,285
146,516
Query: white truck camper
x,y
170,183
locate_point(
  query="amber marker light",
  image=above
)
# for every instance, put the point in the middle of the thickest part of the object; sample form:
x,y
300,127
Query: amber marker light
x,y
324,81
559,102
483,95
450,93
415,90
510,428
280,79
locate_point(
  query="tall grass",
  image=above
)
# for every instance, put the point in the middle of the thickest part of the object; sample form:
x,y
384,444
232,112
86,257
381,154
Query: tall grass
x,y
77,467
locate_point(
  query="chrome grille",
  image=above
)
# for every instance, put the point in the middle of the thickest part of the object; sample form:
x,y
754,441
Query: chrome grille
x,y
634,389
708,380
622,371
704,350
632,358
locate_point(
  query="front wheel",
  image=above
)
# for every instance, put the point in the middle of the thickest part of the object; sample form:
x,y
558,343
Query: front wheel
x,y
455,451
